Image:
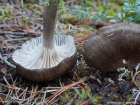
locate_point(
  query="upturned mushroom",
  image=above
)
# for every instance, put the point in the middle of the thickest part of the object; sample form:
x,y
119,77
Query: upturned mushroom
x,y
43,59
113,47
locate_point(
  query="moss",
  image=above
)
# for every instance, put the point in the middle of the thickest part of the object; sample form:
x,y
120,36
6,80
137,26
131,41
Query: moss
x,y
29,5
34,7
6,12
68,18
116,96
63,100
80,72
28,20
101,101
119,2
129,77
67,96
31,23
36,11
89,3
3,97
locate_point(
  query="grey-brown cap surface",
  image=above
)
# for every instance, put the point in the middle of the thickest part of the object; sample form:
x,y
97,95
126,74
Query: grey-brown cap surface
x,y
112,47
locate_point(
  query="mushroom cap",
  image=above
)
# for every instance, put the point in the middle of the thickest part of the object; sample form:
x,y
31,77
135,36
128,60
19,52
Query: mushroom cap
x,y
39,64
112,47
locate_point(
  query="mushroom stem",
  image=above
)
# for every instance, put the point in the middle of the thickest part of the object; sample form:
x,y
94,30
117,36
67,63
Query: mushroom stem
x,y
49,15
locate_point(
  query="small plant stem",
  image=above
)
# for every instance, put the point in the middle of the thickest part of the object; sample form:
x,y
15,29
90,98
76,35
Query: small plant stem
x,y
127,13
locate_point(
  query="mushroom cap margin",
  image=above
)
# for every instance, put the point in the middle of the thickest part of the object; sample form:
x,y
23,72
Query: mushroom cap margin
x,y
48,74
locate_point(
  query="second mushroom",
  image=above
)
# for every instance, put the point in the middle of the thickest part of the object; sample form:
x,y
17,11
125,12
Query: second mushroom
x,y
113,47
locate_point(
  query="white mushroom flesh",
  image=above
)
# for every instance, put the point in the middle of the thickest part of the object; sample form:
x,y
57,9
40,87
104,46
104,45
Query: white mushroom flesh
x,y
34,55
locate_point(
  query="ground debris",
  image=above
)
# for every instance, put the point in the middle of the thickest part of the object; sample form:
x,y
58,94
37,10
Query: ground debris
x,y
23,24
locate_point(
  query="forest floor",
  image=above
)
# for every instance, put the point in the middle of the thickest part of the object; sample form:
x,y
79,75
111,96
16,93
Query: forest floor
x,y
83,85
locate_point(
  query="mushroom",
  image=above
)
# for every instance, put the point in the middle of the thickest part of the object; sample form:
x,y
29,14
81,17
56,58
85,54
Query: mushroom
x,y
43,59
112,47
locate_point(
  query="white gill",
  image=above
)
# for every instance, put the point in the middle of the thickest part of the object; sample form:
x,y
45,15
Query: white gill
x,y
34,55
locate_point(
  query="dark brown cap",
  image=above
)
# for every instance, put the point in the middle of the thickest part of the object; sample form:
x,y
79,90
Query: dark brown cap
x,y
113,47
